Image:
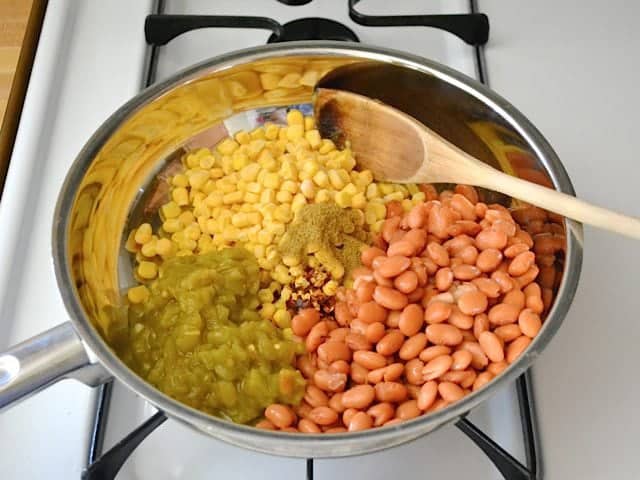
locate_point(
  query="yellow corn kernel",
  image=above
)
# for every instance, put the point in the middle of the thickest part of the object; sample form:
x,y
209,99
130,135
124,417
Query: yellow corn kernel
x,y
149,249
209,186
285,293
204,243
206,162
346,161
402,189
131,245
294,117
343,199
351,189
369,216
310,166
394,196
256,147
214,199
276,228
147,270
282,134
139,294
265,295
242,137
281,274
186,218
418,197
326,147
283,213
143,234
265,237
267,210
267,311
412,188
289,186
216,173
313,137
407,204
180,196
298,202
198,178
259,250
308,189
359,200
321,179
257,134
291,260
164,247
271,131
240,220
254,187
330,288
250,172
295,132
183,253
282,318
255,218
212,227
373,191
227,183
336,180
301,145
188,244
284,197
296,271
267,196
251,197
227,146
272,181
233,197
377,227
196,197
323,196
304,176
172,225
192,160
380,209
288,169
180,180
386,188
309,123
192,231
239,160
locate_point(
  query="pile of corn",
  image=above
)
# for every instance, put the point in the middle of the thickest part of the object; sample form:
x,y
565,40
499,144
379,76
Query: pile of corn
x,y
247,190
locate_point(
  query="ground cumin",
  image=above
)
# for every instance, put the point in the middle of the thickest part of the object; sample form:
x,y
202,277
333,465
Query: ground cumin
x,y
332,234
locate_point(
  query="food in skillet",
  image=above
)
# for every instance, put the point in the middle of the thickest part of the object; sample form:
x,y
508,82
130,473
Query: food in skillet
x,y
287,289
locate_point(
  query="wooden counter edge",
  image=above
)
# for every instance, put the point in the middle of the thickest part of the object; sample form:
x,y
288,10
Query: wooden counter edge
x,y
19,86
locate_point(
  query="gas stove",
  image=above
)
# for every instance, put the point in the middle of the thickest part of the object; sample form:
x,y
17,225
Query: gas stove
x,y
92,58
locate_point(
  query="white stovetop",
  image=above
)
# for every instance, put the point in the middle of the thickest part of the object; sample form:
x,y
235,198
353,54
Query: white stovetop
x,y
564,65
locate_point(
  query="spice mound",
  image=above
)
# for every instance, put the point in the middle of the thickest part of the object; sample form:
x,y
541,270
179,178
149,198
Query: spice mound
x,y
332,234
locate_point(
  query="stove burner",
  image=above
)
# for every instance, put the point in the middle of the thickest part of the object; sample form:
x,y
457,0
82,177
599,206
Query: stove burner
x,y
314,29
295,2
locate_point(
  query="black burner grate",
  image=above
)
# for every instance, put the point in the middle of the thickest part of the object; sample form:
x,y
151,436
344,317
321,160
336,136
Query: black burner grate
x,y
473,28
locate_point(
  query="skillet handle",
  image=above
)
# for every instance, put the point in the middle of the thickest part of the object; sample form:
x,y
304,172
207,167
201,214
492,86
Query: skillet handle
x,y
40,361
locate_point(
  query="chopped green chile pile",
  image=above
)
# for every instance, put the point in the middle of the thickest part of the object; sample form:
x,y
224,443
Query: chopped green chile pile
x,y
200,339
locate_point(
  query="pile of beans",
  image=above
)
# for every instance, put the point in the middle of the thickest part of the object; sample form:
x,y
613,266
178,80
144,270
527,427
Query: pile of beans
x,y
445,301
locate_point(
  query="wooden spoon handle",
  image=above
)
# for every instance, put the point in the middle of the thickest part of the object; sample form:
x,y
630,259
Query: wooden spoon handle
x,y
560,203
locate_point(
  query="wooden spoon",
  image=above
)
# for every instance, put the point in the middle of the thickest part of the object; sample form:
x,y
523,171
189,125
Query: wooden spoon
x,y
397,148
